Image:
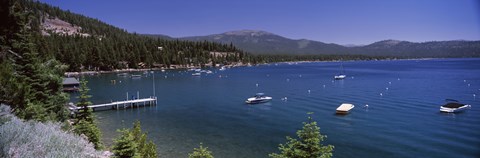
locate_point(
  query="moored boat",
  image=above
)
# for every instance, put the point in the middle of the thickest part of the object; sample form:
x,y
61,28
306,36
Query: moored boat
x,y
136,76
258,98
222,68
345,108
196,74
453,106
341,75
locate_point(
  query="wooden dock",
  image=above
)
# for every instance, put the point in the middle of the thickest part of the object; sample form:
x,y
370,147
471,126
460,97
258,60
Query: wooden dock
x,y
121,104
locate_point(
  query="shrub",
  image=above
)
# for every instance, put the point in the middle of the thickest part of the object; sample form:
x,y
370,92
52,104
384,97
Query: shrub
x,y
37,139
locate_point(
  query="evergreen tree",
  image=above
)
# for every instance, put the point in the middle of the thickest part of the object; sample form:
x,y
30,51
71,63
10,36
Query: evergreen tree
x,y
85,113
200,152
145,149
85,121
133,143
91,131
37,82
125,146
308,146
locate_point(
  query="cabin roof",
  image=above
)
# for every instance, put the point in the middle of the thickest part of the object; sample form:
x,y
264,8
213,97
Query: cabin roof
x,y
70,81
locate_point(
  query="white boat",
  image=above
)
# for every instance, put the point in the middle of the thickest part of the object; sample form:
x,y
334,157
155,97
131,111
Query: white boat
x,y
345,108
209,72
122,74
222,68
136,76
196,74
341,75
258,98
453,106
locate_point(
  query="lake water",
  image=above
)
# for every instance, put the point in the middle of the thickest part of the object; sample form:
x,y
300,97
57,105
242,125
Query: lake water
x,y
402,122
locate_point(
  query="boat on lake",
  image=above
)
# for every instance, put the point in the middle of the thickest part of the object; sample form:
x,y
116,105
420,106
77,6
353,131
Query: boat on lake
x,y
453,106
341,75
196,74
345,108
136,76
122,74
258,98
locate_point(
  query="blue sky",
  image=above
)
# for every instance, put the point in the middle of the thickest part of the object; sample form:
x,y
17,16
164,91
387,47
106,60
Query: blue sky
x,y
334,21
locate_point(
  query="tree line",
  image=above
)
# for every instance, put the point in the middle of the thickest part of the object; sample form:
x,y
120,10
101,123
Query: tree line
x,y
109,47
31,86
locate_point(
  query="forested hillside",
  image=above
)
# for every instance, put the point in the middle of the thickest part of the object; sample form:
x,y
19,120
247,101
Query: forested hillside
x,y
85,43
100,46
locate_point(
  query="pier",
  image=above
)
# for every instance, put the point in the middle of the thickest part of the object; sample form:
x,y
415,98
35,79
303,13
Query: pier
x,y
120,104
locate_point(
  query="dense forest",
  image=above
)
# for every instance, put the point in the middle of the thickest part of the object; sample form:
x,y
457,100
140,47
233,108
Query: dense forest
x,y
100,46
35,121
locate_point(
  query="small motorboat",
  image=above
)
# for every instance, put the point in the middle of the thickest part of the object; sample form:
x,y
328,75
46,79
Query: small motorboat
x,y
222,68
453,106
196,74
122,74
258,98
340,77
345,108
136,76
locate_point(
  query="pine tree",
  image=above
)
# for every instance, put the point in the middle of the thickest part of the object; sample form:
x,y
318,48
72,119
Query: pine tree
x,y
125,146
85,121
91,131
139,140
308,146
38,81
200,152
85,113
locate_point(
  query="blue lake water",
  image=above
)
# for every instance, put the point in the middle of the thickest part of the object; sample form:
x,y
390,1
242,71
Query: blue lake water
x,y
402,122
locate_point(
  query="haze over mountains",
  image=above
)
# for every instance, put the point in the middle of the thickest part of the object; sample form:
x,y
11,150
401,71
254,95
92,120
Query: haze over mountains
x,y
261,42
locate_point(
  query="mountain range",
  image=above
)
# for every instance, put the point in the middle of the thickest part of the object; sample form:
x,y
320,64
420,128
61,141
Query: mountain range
x,y
262,42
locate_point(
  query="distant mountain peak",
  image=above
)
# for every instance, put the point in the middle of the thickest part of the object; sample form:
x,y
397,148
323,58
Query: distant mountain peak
x,y
248,33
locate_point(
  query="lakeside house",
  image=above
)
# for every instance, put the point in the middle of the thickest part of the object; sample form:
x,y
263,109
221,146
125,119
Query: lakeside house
x,y
70,84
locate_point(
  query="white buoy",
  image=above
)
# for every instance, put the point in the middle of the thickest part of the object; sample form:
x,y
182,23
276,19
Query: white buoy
x,y
165,76
256,84
285,98
299,75
381,94
309,91
352,77
389,82
366,105
469,84
386,88
324,86
398,79
464,80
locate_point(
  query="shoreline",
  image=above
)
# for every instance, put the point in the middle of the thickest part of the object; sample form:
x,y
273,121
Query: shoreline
x,y
173,67
177,67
